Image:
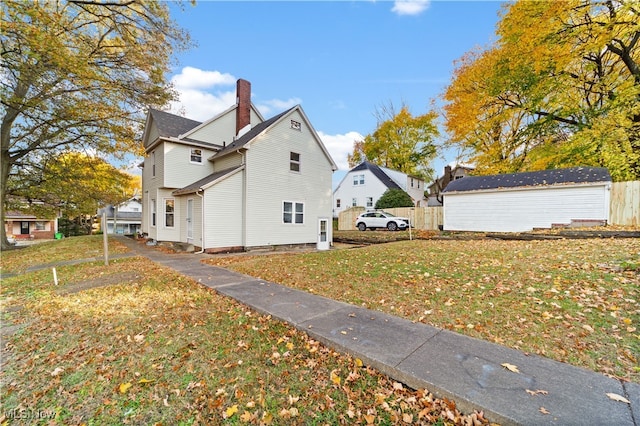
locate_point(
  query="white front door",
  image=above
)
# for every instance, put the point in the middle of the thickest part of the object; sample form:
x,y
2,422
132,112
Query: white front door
x,y
190,219
323,234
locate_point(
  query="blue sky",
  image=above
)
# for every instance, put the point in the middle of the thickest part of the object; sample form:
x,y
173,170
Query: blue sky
x,y
340,60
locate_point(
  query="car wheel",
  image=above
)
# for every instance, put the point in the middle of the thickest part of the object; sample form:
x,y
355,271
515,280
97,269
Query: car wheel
x,y
392,226
362,226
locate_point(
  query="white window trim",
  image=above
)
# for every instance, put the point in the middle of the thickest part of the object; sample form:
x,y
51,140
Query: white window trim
x,y
164,203
298,162
191,156
294,204
358,180
153,217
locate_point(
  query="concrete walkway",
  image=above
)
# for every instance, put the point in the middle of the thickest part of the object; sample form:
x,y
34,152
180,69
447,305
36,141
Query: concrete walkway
x,y
466,370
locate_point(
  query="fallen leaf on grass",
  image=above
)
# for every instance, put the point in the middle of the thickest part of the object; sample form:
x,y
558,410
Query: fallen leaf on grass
x,y
359,362
510,367
57,371
617,397
335,378
144,381
124,387
230,411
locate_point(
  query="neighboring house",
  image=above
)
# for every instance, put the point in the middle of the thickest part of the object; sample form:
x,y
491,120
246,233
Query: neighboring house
x,y
236,181
363,186
21,226
519,202
128,217
452,172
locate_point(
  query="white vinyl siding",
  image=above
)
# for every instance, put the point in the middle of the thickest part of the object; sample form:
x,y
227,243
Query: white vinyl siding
x,y
227,162
222,129
223,211
522,209
269,182
179,171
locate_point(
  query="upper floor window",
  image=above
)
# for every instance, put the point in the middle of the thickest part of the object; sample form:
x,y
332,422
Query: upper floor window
x,y
338,203
196,156
358,179
292,212
294,162
295,125
153,164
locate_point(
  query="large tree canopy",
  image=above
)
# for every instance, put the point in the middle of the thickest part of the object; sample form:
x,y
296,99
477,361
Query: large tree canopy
x,y
401,142
560,87
77,76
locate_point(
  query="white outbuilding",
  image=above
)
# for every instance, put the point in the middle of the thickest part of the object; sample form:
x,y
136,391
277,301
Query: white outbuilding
x,y
520,202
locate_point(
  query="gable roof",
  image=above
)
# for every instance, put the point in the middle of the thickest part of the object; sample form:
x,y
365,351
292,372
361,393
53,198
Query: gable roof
x,y
206,181
171,125
247,137
530,179
377,172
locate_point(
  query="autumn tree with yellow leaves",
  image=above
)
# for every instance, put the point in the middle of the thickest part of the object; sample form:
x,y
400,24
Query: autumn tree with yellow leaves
x,y
560,87
77,75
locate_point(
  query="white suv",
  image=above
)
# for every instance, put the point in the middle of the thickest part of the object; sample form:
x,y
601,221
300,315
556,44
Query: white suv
x,y
381,219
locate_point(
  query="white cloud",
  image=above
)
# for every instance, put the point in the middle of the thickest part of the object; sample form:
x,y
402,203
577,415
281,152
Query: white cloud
x,y
194,78
203,94
410,7
273,106
339,146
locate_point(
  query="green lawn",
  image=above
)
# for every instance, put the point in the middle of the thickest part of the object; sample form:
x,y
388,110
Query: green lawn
x,y
576,301
140,344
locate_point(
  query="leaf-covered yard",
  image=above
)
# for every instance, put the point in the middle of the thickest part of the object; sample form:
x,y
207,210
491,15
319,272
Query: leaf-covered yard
x,y
135,343
576,301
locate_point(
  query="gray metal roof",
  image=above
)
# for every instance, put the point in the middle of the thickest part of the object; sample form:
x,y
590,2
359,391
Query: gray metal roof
x,y
377,172
530,179
171,125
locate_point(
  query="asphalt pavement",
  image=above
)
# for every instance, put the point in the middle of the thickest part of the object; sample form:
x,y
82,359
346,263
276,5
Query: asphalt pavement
x,y
474,373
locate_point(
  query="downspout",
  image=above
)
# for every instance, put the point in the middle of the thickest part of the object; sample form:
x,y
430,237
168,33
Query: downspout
x,y
201,220
244,201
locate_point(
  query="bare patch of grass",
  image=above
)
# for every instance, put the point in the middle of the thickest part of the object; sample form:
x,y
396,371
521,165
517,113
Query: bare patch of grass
x,y
575,301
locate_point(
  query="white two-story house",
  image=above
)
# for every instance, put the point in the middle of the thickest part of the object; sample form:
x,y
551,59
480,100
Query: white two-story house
x,y
236,181
363,185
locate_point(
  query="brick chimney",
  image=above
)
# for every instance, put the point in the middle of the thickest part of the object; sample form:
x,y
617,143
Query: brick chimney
x,y
243,101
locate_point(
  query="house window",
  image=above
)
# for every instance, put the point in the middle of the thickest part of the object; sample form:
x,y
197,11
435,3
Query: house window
x,y
153,164
196,156
153,212
369,201
292,212
169,212
41,226
294,162
295,125
354,202
358,179
458,177
338,203
412,182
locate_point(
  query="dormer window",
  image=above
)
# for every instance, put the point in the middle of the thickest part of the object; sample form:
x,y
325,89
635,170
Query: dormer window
x,y
196,156
295,125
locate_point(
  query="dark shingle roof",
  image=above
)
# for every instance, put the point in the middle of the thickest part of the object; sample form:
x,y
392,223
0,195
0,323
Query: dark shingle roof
x,y
171,125
377,172
195,186
247,137
528,179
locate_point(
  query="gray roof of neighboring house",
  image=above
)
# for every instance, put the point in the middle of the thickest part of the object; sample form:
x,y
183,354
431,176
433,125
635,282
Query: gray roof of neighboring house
x,y
247,137
171,125
195,186
377,172
529,179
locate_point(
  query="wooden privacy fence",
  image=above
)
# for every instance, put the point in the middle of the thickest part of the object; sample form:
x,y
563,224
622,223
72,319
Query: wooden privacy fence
x,y
625,203
428,218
